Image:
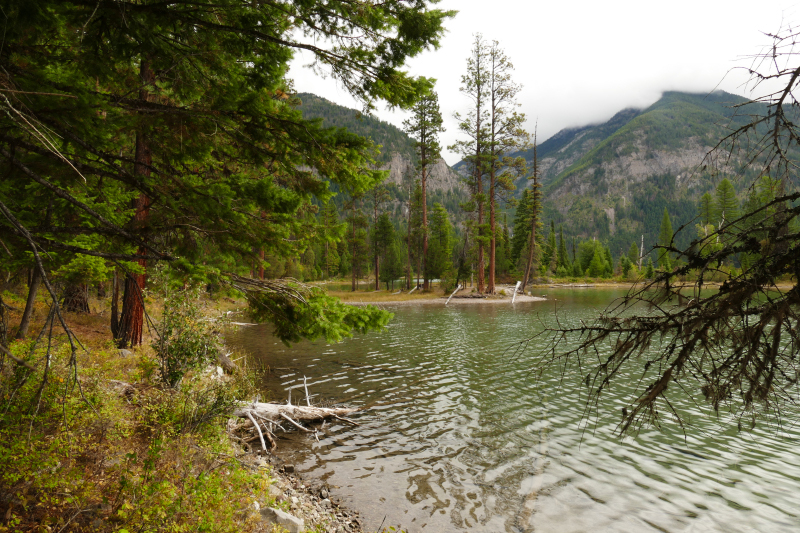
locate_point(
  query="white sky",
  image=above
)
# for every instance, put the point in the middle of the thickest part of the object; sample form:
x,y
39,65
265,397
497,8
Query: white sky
x,y
580,62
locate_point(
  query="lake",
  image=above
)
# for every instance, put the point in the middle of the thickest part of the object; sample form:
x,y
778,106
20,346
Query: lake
x,y
460,433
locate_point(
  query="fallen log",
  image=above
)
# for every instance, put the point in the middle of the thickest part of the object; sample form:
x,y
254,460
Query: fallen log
x,y
274,412
265,416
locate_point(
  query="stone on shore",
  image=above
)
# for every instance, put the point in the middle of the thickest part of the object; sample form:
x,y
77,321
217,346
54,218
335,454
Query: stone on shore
x,y
278,517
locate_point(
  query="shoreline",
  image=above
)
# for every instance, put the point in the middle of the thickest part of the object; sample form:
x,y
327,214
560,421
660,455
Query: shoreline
x,y
464,300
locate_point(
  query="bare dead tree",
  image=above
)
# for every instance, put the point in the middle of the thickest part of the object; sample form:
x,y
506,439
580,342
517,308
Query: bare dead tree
x,y
737,345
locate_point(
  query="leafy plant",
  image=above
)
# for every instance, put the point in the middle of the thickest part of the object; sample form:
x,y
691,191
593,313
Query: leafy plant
x,y
185,339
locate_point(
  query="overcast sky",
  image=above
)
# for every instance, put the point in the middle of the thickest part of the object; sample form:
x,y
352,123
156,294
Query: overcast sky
x,y
580,62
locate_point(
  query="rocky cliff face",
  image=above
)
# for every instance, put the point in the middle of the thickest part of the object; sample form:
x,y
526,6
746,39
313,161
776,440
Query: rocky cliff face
x,y
442,177
612,181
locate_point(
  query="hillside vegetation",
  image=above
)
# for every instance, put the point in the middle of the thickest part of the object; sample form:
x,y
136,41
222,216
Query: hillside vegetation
x,y
612,181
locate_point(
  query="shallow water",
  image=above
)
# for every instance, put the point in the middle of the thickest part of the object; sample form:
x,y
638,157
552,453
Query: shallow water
x,y
462,434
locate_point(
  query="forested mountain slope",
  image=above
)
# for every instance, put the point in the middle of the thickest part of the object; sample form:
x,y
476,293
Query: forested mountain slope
x,y
612,181
397,152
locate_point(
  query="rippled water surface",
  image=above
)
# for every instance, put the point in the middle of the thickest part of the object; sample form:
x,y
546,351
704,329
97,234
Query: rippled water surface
x,y
458,434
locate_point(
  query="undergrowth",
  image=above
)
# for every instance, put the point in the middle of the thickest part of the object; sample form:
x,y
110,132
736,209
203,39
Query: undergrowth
x,y
112,448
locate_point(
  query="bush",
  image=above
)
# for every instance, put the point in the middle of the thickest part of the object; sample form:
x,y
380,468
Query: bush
x,y
185,339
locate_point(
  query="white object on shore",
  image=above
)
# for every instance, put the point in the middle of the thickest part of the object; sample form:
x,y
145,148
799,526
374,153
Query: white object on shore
x,y
291,523
412,290
451,294
516,288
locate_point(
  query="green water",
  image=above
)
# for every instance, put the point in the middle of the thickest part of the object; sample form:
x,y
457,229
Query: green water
x,y
461,434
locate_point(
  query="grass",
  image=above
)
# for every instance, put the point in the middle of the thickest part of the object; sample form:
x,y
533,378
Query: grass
x,y
80,451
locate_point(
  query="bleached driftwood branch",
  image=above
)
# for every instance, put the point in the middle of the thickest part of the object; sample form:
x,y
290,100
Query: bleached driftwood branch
x,y
272,413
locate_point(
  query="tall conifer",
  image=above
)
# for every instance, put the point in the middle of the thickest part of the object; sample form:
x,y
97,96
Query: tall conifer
x,y
424,126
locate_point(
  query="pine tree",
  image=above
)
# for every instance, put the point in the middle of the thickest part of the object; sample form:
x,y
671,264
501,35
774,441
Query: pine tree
x,y
168,114
475,149
379,196
563,255
332,232
535,208
383,239
424,126
551,252
358,242
522,227
727,205
649,270
505,136
415,233
392,263
665,236
633,253
597,266
707,210
440,259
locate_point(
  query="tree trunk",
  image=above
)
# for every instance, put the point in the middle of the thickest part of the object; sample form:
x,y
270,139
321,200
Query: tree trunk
x,y
493,238
353,286
115,304
529,264
76,298
480,267
408,265
534,217
377,259
423,183
33,289
131,322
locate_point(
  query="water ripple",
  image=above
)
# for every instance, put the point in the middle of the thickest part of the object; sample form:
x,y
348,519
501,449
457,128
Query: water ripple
x,y
457,435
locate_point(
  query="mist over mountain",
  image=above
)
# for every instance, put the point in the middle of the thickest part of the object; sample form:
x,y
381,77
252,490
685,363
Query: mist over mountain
x,y
612,181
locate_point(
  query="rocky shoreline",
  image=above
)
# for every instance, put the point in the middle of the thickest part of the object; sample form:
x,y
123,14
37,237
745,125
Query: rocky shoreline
x,y
302,504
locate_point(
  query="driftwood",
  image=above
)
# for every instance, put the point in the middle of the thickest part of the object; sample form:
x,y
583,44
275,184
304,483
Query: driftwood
x,y
265,418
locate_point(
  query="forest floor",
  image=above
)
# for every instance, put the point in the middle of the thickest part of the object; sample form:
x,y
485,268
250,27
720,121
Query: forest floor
x,y
117,451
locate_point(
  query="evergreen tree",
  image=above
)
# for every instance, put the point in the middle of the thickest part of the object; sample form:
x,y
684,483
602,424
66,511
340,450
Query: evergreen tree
x,y
522,227
563,255
633,253
535,208
392,263
665,236
727,205
332,232
506,135
597,266
358,242
425,125
416,231
649,270
383,240
625,265
440,254
379,196
551,252
176,137
475,148
707,210
504,264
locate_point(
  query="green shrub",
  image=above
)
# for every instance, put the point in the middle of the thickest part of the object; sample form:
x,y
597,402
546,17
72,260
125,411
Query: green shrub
x,y
185,339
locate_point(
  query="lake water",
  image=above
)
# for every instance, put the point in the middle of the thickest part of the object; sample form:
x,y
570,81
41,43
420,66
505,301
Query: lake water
x,y
459,434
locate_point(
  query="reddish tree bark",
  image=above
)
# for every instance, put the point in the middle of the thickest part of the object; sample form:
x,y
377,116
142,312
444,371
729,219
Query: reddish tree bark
x,y
131,321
